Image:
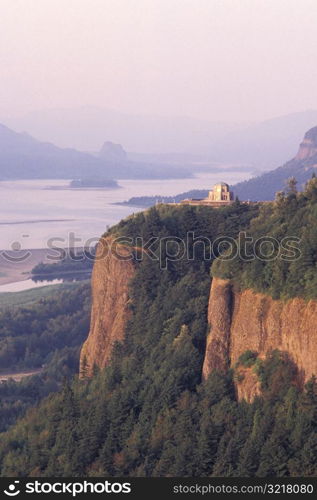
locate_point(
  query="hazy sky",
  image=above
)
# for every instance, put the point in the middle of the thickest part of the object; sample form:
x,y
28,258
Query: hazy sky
x,y
215,59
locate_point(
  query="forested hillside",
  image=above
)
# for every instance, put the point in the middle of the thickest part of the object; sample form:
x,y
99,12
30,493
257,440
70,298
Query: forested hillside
x,y
289,264
45,336
148,413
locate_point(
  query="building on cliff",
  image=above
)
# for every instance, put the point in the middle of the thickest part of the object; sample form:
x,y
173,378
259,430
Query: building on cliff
x,y
219,196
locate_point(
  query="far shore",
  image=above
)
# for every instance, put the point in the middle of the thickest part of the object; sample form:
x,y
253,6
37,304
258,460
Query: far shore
x,y
69,188
13,270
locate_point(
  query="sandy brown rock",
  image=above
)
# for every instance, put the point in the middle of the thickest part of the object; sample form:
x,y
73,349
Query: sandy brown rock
x,y
308,147
245,320
247,383
219,319
112,273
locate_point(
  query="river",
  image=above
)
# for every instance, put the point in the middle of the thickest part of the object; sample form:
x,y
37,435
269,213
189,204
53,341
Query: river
x,y
32,215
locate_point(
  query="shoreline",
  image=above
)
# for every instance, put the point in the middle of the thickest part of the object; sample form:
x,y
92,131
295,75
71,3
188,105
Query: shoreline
x,y
13,270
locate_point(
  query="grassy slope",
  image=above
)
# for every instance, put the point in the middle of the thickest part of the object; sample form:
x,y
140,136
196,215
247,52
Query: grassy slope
x,y
28,297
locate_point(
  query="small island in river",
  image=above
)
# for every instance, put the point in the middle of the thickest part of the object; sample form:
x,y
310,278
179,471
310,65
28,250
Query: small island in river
x,y
89,183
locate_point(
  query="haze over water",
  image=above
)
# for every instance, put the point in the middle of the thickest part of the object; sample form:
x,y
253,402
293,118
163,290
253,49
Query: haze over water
x,y
31,214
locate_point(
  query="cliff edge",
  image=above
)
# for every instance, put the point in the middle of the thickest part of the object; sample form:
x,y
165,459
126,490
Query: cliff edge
x,y
245,320
308,147
112,272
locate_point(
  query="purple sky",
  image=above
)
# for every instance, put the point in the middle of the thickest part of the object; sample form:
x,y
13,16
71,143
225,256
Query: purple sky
x,y
214,59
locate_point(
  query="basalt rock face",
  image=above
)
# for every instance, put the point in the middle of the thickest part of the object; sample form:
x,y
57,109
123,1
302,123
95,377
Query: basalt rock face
x,y
308,148
241,321
219,317
112,273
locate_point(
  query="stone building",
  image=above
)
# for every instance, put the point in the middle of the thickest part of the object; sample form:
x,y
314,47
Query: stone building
x,y
220,192
219,196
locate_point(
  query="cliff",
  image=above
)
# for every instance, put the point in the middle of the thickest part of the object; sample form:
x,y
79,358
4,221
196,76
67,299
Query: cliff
x,y
112,272
308,147
241,321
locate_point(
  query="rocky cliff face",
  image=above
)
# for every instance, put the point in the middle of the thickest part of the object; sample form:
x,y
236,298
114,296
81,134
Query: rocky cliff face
x,y
219,318
112,273
308,147
241,321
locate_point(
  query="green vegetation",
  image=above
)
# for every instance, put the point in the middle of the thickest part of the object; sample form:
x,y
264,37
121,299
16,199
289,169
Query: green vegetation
x,y
248,358
287,273
29,335
28,297
71,266
178,221
48,335
148,413
276,369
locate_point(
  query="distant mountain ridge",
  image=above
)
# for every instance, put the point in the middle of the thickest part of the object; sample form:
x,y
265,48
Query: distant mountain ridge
x,y
302,167
263,145
85,128
266,144
23,157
